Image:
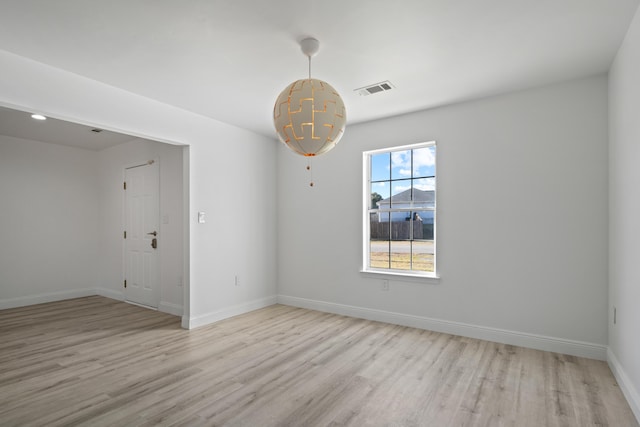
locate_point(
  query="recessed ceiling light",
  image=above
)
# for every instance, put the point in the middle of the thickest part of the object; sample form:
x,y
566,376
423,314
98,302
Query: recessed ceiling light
x,y
38,117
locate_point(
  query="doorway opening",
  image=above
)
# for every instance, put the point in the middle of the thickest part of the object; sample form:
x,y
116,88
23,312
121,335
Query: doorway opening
x,y
80,170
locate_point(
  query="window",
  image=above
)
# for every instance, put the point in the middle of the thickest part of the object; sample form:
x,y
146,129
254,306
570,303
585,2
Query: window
x,y
400,210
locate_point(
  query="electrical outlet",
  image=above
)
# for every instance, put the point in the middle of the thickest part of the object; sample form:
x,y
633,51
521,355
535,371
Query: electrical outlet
x,y
615,315
385,285
237,280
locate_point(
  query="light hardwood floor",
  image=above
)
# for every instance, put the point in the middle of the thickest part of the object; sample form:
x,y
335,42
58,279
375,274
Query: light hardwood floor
x,y
95,361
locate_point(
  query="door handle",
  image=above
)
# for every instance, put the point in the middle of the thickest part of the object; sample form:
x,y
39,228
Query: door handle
x,y
153,233
154,243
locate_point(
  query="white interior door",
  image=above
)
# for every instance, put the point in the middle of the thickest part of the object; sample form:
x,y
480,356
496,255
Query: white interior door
x,y
142,235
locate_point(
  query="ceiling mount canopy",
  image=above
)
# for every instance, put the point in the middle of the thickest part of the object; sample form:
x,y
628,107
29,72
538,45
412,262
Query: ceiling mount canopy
x,y
310,46
309,115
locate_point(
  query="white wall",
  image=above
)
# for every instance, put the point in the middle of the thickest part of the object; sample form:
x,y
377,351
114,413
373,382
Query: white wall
x,y
522,230
231,172
112,162
624,213
48,222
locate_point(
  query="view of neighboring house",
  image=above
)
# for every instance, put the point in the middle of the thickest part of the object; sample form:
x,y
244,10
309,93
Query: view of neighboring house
x,y
421,201
413,221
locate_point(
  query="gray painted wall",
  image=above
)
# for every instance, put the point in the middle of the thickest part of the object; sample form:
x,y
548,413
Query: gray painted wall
x,y
522,208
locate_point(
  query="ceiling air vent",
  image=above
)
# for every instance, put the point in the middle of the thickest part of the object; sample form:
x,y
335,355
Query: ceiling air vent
x,y
375,88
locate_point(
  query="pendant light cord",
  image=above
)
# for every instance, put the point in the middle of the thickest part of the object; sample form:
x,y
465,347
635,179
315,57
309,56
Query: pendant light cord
x,y
309,168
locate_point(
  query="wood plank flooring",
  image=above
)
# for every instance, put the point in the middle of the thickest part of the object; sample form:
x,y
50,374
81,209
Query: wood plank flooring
x,y
98,362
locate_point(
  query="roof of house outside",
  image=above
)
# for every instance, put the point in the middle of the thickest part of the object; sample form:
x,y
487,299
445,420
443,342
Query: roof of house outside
x,y
405,196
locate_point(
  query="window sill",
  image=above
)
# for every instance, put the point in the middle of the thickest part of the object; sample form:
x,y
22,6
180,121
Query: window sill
x,y
399,275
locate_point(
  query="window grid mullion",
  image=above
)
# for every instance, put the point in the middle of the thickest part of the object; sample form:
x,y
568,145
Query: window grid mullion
x,y
390,206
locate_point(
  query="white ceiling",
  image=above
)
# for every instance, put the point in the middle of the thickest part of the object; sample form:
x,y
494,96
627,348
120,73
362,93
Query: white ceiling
x,y
229,59
19,124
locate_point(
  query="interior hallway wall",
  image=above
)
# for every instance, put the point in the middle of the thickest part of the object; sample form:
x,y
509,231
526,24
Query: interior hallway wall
x,y
48,222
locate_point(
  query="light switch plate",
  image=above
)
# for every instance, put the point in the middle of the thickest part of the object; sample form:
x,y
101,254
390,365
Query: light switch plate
x,y
201,217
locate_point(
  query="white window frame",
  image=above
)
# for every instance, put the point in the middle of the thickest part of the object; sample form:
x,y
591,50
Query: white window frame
x,y
366,186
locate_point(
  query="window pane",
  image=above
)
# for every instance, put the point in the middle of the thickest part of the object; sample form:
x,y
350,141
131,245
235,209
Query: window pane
x,y
380,164
423,225
400,255
425,184
380,192
401,164
400,226
378,241
379,254
423,195
401,194
379,229
424,162
422,255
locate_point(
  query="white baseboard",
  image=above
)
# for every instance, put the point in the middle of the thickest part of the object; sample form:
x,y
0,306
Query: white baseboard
x,y
110,293
522,339
171,308
225,313
629,391
45,297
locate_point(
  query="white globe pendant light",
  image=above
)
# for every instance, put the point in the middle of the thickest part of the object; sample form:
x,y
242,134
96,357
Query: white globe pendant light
x,y
309,115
